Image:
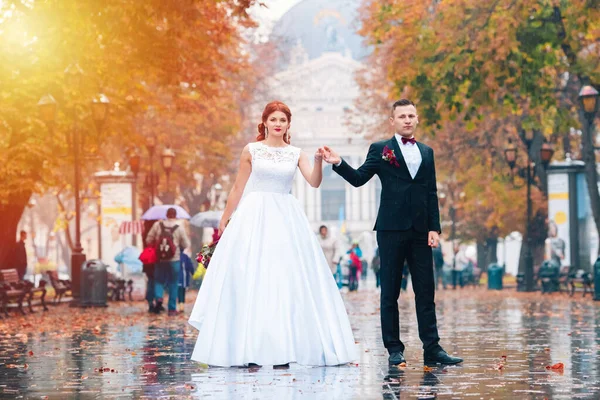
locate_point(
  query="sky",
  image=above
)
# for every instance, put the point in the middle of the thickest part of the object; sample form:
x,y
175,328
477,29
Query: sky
x,y
276,8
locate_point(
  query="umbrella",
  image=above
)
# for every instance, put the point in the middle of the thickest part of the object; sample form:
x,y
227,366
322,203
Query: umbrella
x,y
130,257
207,219
160,212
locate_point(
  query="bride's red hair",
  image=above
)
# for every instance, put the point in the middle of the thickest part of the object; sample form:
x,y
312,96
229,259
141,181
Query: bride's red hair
x,y
270,109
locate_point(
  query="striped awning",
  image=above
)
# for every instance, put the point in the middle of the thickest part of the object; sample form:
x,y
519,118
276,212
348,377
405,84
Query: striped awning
x,y
131,227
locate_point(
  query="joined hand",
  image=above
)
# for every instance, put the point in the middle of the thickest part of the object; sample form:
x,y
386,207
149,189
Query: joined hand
x,y
331,156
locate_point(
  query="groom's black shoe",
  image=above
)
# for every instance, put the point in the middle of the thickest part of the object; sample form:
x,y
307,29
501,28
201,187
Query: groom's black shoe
x,y
396,358
439,356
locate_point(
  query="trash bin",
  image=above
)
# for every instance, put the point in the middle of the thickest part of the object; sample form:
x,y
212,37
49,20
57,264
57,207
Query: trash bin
x,y
495,273
94,284
597,279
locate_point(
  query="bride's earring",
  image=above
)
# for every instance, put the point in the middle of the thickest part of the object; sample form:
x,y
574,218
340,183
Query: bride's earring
x,y
266,132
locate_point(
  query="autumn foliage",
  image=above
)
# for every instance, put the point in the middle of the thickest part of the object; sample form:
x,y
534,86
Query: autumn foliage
x,y
480,73
174,70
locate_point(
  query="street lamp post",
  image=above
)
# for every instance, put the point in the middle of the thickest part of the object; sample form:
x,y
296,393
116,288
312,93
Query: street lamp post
x,y
47,108
589,104
151,180
134,165
510,153
167,157
588,99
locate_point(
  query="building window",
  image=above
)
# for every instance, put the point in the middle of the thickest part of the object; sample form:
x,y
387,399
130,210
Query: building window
x,y
333,195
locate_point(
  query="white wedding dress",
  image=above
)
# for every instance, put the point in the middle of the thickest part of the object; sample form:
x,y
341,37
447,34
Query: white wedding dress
x,y
268,296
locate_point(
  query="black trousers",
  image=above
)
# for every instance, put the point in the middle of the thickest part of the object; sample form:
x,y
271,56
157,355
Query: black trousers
x,y
394,248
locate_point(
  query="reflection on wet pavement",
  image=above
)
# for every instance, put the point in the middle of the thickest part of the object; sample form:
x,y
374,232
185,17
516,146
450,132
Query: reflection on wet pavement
x,y
121,352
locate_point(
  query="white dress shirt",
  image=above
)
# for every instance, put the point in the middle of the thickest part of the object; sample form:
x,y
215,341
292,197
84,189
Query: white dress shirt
x,y
411,154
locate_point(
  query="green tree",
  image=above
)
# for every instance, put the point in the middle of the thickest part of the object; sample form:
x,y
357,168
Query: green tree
x,y
496,67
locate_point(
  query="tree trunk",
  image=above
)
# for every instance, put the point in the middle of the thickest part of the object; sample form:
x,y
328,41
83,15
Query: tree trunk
x,y
482,255
65,252
486,252
11,213
591,174
538,231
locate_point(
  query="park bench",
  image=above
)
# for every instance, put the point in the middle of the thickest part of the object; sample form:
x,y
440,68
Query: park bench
x,y
118,288
9,293
14,289
61,286
580,278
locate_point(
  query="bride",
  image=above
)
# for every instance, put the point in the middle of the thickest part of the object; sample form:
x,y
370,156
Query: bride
x,y
268,297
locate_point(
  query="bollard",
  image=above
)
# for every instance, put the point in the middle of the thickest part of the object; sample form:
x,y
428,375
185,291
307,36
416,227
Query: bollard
x,y
597,279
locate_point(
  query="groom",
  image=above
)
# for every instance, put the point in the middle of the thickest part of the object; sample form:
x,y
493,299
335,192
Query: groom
x,y
408,227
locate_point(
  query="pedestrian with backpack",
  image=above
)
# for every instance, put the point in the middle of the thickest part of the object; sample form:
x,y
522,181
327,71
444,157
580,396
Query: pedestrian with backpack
x,y
168,238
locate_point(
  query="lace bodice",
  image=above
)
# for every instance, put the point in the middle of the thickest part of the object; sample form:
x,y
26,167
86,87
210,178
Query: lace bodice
x,y
273,168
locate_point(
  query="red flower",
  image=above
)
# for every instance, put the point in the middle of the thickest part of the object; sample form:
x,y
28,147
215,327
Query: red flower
x,y
389,156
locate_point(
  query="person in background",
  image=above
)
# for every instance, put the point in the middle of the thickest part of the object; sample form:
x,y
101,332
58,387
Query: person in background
x,y
148,269
438,262
166,272
375,265
461,263
186,272
355,265
329,246
355,270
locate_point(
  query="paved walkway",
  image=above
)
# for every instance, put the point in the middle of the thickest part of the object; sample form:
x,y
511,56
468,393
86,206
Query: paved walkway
x,y
507,339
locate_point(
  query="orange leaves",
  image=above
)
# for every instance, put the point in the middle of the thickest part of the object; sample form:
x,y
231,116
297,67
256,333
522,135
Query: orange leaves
x,y
138,53
427,369
558,367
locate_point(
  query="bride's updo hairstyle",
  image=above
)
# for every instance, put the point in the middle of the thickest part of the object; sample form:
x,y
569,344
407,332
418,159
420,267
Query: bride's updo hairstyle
x,y
270,109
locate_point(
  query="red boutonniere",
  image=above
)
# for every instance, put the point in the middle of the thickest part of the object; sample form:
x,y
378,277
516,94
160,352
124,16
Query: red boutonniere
x,y
389,156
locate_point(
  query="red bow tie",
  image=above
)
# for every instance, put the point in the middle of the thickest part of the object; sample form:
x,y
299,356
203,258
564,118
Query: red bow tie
x,y
411,140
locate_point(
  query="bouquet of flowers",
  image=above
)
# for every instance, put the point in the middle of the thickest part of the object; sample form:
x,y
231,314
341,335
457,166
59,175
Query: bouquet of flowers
x,y
206,253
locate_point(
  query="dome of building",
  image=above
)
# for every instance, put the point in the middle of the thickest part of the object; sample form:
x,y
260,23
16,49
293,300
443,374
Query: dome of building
x,y
320,26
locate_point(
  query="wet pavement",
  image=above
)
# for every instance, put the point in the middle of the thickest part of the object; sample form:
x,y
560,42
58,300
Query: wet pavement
x,y
508,340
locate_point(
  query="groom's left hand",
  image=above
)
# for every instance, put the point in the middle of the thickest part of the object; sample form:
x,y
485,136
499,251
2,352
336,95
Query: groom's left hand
x,y
433,239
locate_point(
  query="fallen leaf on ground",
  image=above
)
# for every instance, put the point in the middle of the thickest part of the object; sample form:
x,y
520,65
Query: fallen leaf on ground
x,y
556,367
427,369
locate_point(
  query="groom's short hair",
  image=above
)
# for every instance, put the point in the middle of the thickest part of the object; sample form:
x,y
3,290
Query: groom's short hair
x,y
400,103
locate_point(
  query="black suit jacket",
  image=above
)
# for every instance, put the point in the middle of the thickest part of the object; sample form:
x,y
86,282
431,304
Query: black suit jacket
x,y
405,202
